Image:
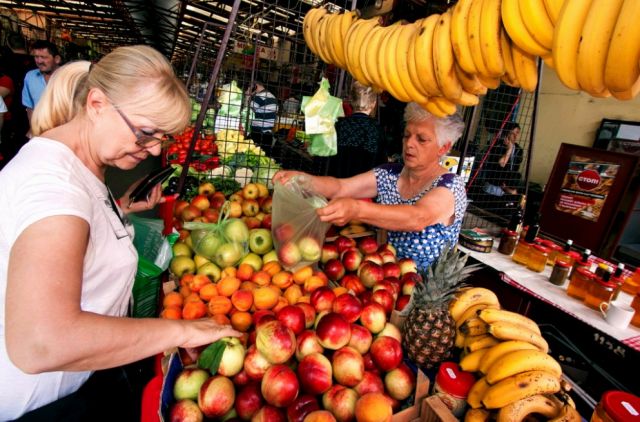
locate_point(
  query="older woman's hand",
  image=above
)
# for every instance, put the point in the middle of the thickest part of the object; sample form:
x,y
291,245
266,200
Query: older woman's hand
x,y
283,176
339,211
153,199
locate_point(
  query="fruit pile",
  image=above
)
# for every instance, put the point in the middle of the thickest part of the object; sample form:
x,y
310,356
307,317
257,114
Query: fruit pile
x,y
448,59
508,353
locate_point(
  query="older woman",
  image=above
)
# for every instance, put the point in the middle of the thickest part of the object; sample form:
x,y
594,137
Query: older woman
x,y
420,203
67,262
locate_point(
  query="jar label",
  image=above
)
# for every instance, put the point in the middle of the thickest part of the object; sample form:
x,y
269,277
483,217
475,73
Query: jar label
x,y
632,411
451,374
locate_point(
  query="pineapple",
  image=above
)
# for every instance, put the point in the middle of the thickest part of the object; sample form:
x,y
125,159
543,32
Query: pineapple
x,y
429,331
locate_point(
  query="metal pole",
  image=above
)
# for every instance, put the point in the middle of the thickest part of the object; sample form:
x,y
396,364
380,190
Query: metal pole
x,y
532,132
196,54
207,96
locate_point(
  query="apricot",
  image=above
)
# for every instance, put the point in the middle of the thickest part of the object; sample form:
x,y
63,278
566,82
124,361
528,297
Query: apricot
x,y
242,299
220,305
373,407
265,297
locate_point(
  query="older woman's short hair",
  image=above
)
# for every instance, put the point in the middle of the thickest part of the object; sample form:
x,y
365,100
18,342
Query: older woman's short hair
x,y
448,129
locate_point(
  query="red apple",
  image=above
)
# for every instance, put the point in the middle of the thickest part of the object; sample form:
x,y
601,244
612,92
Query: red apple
x,y
402,301
310,249
375,257
185,410
301,407
391,269
388,257
407,265
248,401
252,222
284,232
266,205
373,317
329,251
384,298
370,273
188,383
367,245
361,338
386,353
268,413
341,401
371,383
351,259
307,344
348,366
279,386
352,282
179,206
211,215
349,306
309,313
322,299
315,373
201,202
293,317
343,243
241,378
400,382
334,269
266,221
190,212
250,207
390,330
216,396
255,365
289,254
333,331
275,341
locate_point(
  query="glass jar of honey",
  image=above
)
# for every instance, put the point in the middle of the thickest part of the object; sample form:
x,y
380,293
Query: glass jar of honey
x,y
553,247
508,242
537,258
635,304
559,273
616,406
631,284
521,254
580,279
599,291
602,268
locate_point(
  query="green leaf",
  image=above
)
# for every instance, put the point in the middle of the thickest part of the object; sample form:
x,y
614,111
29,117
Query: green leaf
x,y
211,356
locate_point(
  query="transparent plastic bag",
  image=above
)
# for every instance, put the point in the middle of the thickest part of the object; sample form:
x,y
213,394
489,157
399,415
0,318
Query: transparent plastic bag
x,y
298,233
225,242
321,111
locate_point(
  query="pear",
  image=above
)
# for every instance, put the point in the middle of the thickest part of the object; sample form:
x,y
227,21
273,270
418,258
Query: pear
x,y
211,270
181,265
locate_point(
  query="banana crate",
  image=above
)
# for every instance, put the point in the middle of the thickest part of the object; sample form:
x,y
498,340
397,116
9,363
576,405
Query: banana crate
x,y
433,409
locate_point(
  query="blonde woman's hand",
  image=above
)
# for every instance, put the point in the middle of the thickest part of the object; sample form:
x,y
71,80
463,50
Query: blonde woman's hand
x,y
154,198
339,211
206,331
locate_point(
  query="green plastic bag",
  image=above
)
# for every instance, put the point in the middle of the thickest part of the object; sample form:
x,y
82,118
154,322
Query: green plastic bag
x,y
321,111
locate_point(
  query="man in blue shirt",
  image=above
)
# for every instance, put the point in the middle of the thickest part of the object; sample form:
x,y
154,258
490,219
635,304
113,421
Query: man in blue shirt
x,y
48,60
265,108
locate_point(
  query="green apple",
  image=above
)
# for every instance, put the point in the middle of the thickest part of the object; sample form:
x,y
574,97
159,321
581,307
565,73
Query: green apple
x,y
200,260
254,260
260,241
272,255
236,230
232,359
181,265
211,270
181,249
207,245
228,254
188,383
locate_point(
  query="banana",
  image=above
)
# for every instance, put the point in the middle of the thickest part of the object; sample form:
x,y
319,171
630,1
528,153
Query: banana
x,y
566,38
628,94
622,70
459,36
493,315
443,59
476,415
495,353
368,61
461,339
567,414
594,45
537,21
504,330
467,99
423,50
510,71
548,60
472,85
491,83
444,105
483,341
522,361
349,52
310,27
520,386
389,63
412,67
513,23
402,63
474,30
476,393
355,37
518,410
471,297
321,40
490,27
526,68
471,362
334,38
474,327
553,9
339,34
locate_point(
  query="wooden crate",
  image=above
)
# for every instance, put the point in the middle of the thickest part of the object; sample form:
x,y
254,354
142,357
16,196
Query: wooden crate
x,y
434,410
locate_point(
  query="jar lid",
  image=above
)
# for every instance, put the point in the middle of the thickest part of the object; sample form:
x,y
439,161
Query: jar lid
x,y
603,283
453,380
562,264
585,272
621,406
575,255
550,244
541,248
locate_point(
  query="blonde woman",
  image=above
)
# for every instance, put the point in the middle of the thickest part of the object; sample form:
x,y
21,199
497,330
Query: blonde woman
x,y
67,262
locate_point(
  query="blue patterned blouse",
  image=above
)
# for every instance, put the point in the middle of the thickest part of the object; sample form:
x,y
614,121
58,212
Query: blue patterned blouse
x,y
423,246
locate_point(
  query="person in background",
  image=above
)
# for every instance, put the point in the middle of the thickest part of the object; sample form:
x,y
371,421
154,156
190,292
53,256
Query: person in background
x,y
6,95
67,261
360,138
501,171
48,60
265,108
420,203
3,111
291,106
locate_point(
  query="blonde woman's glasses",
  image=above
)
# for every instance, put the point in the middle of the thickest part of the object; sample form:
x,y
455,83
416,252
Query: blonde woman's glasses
x,y
144,140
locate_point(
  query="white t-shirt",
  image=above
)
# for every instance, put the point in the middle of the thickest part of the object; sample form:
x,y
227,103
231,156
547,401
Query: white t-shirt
x,y
47,179
3,106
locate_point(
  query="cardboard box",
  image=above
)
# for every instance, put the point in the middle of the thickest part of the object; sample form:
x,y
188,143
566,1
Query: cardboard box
x,y
413,413
434,410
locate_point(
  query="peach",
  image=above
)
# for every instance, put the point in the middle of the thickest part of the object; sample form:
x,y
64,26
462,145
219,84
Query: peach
x,y
265,297
348,366
315,373
255,364
307,343
341,402
242,300
400,382
292,294
373,407
275,341
280,386
302,274
309,312
282,279
319,416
